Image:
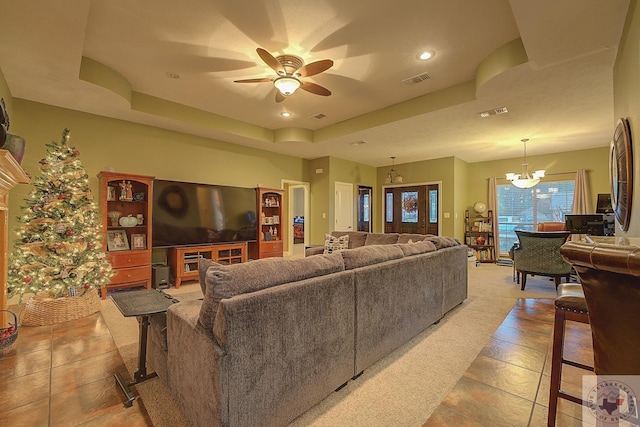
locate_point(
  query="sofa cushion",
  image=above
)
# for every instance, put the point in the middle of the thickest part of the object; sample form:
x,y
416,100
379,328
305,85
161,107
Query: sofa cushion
x,y
372,254
203,266
417,248
226,281
356,238
381,239
333,244
411,237
442,241
158,330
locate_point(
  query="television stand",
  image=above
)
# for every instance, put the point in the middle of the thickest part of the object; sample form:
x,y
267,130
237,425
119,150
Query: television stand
x,y
184,261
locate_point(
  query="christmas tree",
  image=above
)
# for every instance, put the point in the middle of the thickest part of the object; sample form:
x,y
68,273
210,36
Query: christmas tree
x,y
58,249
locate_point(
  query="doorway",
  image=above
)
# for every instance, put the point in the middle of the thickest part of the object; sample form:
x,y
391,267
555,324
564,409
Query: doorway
x,y
412,209
297,218
365,203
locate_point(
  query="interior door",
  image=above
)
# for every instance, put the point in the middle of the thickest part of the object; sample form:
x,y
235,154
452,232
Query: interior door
x,y
411,209
365,219
343,207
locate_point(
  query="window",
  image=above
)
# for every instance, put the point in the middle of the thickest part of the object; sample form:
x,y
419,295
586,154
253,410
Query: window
x,y
433,206
409,206
389,205
523,209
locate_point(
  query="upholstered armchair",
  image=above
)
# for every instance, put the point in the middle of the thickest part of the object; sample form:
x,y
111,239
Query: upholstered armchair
x,y
538,254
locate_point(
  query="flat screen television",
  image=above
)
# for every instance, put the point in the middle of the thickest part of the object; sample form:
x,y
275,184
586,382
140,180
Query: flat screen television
x,y
592,224
191,214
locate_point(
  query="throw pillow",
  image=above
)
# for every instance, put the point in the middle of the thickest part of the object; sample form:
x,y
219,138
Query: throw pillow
x,y
333,244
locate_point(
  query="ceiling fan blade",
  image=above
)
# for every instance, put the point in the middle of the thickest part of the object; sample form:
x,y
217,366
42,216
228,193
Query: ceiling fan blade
x,y
271,61
279,96
314,88
263,79
314,68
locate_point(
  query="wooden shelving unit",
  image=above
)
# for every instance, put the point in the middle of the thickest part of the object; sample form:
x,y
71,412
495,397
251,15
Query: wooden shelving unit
x,y
269,238
184,261
127,243
478,235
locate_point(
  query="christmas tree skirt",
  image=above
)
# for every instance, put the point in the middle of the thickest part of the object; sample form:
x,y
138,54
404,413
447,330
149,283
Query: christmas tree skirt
x,y
42,310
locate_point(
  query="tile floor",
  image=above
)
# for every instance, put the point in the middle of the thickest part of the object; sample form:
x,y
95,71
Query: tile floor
x,y
508,382
62,375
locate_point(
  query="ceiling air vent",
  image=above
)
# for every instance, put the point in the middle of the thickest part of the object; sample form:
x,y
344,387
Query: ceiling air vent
x,y
417,79
495,111
318,116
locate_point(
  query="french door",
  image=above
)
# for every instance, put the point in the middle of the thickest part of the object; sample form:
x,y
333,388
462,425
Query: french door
x,y
411,209
365,220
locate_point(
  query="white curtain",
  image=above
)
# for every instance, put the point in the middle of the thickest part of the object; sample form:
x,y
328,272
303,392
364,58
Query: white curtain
x,y
581,199
582,194
493,206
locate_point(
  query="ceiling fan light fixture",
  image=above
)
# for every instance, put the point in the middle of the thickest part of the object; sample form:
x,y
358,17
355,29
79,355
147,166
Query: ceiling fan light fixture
x,y
286,85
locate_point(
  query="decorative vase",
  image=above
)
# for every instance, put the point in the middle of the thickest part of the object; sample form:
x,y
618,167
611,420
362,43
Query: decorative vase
x,y
15,145
480,240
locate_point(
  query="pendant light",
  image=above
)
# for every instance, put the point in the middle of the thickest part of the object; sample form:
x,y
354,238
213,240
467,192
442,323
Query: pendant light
x,y
525,180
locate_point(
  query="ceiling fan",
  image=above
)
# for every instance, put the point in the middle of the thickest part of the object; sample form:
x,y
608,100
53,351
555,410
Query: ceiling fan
x,y
290,69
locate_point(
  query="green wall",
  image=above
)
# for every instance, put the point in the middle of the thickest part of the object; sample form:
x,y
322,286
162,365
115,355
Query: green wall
x,y
557,166
427,171
146,150
6,95
626,95
322,187
319,187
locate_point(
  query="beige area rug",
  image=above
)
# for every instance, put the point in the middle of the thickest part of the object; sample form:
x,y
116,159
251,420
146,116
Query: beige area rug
x,y
402,389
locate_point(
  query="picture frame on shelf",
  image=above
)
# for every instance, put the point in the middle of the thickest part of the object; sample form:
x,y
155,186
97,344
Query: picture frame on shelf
x,y
138,241
117,240
111,193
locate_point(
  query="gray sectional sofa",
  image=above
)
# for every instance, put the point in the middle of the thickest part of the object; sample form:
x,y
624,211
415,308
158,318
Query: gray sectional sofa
x,y
275,336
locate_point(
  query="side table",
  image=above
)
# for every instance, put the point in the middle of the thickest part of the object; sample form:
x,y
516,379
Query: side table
x,y
142,304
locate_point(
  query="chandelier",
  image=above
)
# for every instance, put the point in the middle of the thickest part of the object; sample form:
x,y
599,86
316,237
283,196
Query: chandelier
x,y
393,176
525,180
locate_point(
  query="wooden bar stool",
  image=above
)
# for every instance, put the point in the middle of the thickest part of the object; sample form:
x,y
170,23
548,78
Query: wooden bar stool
x,y
570,304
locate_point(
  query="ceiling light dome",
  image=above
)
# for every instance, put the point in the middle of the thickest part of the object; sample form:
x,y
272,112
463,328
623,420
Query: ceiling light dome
x,y
287,85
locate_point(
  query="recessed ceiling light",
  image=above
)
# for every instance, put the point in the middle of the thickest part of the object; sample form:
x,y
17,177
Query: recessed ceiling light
x,y
173,75
426,55
285,114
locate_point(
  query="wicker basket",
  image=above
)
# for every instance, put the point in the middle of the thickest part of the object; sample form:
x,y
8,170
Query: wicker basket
x,y
43,310
6,343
